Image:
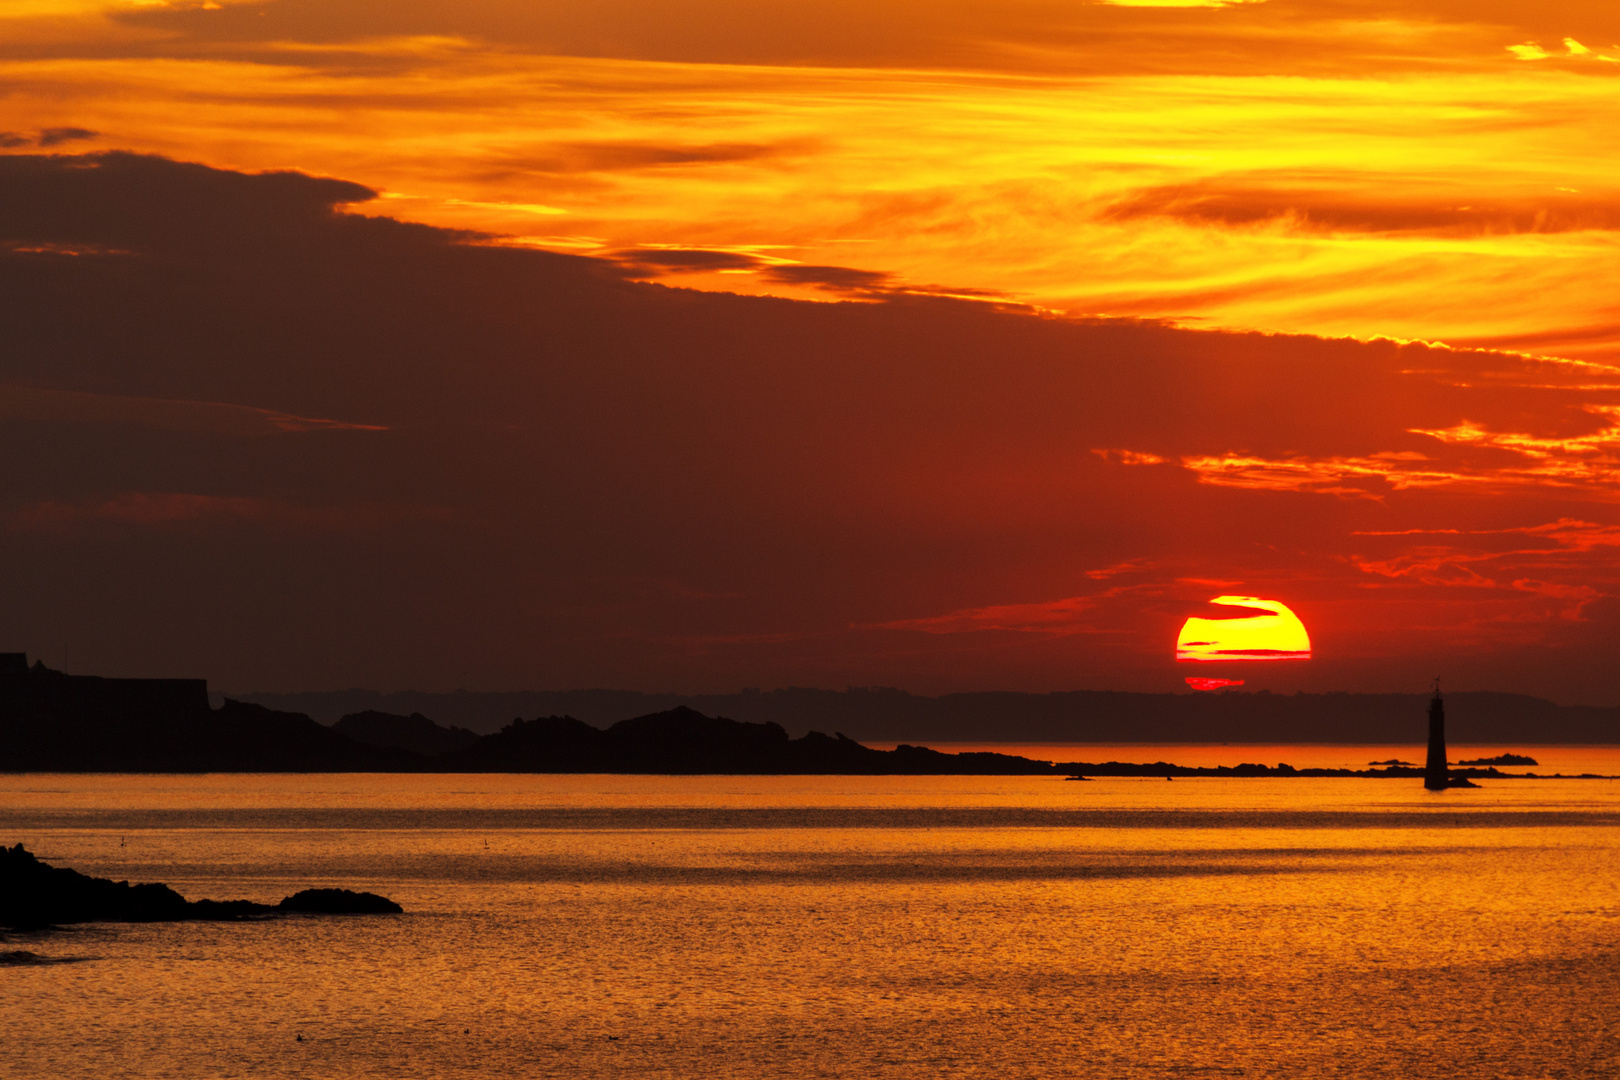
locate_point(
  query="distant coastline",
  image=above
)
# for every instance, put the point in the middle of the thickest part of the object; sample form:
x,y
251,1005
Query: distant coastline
x,y
878,714
55,722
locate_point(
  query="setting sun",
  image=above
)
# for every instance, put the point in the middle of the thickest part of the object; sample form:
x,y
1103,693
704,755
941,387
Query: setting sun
x,y
1275,635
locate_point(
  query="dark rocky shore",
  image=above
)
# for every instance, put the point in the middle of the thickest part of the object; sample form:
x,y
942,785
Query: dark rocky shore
x,y
34,894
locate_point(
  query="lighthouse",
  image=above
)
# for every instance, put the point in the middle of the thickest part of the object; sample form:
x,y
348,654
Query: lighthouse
x,y
1436,776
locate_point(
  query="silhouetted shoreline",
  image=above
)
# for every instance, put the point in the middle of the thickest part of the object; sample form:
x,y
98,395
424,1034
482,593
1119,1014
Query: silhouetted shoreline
x,y
885,715
53,722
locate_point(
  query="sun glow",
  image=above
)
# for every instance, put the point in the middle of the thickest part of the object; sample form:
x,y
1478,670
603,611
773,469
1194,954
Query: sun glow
x,y
1276,635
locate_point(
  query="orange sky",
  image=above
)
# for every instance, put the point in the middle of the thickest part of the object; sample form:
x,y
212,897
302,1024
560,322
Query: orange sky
x,y
1432,170
1355,173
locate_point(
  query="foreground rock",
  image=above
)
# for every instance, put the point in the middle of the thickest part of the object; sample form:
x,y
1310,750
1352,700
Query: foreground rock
x,y
35,894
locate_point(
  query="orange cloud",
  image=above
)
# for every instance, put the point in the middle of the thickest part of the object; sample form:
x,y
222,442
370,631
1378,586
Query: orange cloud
x,y
1588,464
1463,197
1490,559
886,491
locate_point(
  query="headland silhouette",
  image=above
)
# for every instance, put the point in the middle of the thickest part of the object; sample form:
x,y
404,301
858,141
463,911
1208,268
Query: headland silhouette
x,y
54,722
883,714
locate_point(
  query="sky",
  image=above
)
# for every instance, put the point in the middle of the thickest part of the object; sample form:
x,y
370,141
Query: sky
x,y
694,346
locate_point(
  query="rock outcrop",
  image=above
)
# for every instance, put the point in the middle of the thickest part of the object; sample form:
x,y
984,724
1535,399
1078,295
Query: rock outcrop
x,y
35,894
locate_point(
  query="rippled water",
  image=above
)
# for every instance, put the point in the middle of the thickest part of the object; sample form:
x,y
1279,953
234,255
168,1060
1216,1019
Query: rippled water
x,y
831,926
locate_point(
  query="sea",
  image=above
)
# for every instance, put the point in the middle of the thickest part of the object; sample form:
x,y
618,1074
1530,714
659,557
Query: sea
x,y
828,926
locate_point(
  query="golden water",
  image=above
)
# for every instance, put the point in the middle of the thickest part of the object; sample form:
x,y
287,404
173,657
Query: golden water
x,y
583,926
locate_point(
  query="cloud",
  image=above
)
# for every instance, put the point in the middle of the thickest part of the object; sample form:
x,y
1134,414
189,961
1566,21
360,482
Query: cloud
x,y
1129,457
848,493
1585,464
722,126
832,278
125,200
1339,36
199,417
1504,559
1573,49
572,157
55,136
1369,204
1049,617
165,509
136,508
1529,51
837,33
684,260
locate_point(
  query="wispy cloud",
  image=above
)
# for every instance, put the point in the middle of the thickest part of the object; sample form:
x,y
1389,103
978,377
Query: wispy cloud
x,y
50,137
1066,616
1532,50
1587,465
201,417
1513,560
154,510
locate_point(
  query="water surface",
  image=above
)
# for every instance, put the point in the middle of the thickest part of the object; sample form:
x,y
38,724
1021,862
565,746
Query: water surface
x,y
582,926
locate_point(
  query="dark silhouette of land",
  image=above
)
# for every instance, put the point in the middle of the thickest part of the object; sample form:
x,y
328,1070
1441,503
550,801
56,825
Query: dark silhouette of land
x,y
683,740
34,894
415,733
876,714
1502,759
53,722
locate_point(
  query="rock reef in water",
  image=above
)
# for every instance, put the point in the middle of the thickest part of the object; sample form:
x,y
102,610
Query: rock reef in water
x,y
1502,759
35,894
339,902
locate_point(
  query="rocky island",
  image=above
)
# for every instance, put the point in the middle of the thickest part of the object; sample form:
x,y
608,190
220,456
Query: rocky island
x,y
34,895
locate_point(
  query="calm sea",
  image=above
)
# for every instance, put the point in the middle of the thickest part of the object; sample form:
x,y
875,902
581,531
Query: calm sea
x,y
585,926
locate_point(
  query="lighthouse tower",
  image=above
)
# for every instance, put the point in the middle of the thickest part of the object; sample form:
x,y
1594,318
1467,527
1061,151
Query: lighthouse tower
x,y
1436,776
